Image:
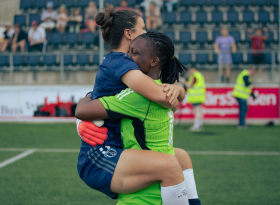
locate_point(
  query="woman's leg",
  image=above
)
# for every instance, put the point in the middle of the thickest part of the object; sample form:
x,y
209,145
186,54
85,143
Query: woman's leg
x,y
148,22
227,73
91,25
138,169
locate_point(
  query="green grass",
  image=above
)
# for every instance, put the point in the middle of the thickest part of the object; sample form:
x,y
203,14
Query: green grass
x,y
51,178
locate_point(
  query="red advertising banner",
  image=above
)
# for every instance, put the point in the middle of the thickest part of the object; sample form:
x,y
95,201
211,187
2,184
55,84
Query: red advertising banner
x,y
220,104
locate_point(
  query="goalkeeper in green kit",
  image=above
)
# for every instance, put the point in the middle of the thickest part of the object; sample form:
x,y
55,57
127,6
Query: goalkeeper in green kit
x,y
145,124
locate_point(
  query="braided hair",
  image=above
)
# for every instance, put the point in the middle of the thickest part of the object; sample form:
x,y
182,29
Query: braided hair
x,y
163,48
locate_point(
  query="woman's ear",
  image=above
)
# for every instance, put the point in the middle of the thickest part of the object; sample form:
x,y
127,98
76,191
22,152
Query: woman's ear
x,y
155,62
127,34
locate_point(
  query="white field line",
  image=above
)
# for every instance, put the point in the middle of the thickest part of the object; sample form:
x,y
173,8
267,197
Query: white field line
x,y
190,152
15,158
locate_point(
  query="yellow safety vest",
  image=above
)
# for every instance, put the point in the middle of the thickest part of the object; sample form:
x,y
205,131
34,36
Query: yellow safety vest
x,y
196,94
240,89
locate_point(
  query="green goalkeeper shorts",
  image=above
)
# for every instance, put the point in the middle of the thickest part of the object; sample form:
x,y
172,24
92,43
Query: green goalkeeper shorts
x,y
147,196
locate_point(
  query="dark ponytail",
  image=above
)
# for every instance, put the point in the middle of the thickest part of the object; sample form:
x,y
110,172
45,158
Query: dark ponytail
x,y
163,48
113,23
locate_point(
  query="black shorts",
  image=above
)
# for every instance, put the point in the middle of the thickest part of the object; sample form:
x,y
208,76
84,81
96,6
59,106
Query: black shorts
x,y
258,59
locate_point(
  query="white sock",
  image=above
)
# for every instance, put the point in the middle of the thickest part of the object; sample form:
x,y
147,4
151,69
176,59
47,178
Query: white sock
x,y
174,195
200,122
190,184
196,123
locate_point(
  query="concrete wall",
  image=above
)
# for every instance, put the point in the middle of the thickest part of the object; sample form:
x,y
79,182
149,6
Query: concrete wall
x,y
8,8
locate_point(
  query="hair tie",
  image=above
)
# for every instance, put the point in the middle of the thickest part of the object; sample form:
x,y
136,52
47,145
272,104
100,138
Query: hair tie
x,y
172,58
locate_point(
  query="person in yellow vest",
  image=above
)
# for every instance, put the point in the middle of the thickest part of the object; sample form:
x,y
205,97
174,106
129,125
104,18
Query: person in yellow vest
x,y
242,91
196,92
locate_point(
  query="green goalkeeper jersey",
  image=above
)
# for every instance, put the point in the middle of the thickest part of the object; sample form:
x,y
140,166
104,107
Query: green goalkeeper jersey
x,y
144,125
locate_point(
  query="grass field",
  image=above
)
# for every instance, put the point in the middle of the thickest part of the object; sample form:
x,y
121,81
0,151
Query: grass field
x,y
245,176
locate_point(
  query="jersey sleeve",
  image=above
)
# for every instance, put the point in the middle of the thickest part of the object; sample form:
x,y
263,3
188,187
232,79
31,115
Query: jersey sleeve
x,y
126,104
121,66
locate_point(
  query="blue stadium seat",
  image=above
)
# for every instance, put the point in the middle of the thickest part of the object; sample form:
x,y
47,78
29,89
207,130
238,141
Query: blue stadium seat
x,y
56,38
96,59
236,35
25,4
186,3
264,16
185,58
277,58
82,3
261,2
131,3
215,34
82,59
202,58
232,16
185,37
68,3
56,3
248,17
4,60
67,60
18,60
170,34
34,17
49,60
215,58
114,2
39,4
217,17
267,58
201,2
169,18
270,37
276,16
237,58
185,17
20,19
231,2
71,38
201,36
216,2
274,2
201,17
33,60
246,2
88,38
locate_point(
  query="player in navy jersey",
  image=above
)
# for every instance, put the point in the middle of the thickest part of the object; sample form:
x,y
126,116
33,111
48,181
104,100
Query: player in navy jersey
x,y
104,167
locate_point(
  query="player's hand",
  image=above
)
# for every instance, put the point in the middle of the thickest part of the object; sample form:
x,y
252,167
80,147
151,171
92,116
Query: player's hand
x,y
172,91
90,133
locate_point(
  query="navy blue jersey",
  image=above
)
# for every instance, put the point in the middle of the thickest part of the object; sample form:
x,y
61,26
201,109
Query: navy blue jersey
x,y
108,82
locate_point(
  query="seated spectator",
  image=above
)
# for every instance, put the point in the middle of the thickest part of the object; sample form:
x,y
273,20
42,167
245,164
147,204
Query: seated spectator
x,y
48,17
138,10
90,16
19,39
36,37
62,19
75,21
169,4
152,16
124,6
8,34
146,3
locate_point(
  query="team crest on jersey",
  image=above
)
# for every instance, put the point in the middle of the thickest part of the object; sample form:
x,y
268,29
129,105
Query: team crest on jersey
x,y
110,152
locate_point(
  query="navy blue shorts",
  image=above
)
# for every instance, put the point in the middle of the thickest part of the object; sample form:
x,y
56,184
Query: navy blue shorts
x,y
96,166
196,104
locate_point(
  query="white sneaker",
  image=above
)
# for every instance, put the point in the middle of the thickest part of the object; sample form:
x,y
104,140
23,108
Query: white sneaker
x,y
195,128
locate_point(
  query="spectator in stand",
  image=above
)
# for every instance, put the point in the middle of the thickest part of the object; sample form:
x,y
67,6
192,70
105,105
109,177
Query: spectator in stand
x,y
19,39
75,21
8,35
224,45
48,17
138,10
169,5
146,3
152,16
62,19
90,16
257,47
124,6
36,37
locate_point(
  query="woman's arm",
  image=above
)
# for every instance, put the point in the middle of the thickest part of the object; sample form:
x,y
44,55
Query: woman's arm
x,y
147,87
88,109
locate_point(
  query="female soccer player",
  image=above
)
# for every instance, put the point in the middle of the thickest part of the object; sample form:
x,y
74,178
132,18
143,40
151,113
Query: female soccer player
x,y
105,167
151,52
